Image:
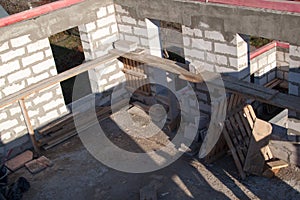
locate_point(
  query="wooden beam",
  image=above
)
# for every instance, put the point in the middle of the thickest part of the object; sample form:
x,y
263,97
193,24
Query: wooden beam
x,y
29,126
56,79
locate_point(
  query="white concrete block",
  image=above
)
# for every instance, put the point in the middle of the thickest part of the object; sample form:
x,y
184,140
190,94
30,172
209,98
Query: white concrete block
x,y
111,19
102,82
8,124
142,23
43,98
100,33
198,33
214,35
6,137
9,68
144,42
125,28
20,129
12,54
32,59
53,104
48,117
194,53
187,31
102,12
20,41
114,28
272,57
38,78
217,59
43,66
109,69
201,44
128,20
33,113
294,50
36,46
48,53
225,49
3,115
186,41
132,38
15,110
19,75
4,46
140,32
12,88
53,71
116,76
111,9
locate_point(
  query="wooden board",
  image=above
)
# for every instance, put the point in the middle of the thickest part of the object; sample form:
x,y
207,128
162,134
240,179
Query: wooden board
x,y
277,164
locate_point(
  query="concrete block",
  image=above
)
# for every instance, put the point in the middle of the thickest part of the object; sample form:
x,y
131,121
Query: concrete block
x,y
294,51
293,89
198,33
19,75
6,137
43,98
3,115
128,20
144,42
15,87
187,31
43,66
272,58
15,110
201,44
20,41
114,28
4,47
263,61
294,77
140,32
19,161
5,57
111,19
217,59
48,117
39,45
101,33
119,9
225,49
53,104
194,53
38,78
37,165
132,38
214,35
116,76
8,124
9,68
111,9
125,28
102,12
32,59
142,23
186,41
20,129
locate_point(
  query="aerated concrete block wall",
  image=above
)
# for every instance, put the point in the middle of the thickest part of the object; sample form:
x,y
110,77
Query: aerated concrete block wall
x,y
25,61
264,67
206,48
97,39
283,60
294,87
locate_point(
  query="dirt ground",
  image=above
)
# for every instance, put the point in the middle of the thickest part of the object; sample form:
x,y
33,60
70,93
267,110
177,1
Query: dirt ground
x,y
76,174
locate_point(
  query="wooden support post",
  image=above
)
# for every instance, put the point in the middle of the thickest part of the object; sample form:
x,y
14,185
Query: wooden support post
x,y
29,126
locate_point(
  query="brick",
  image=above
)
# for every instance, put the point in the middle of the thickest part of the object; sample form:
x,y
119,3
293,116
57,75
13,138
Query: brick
x,y
100,33
194,53
88,27
53,104
48,53
214,35
8,124
201,44
102,12
32,59
4,46
111,9
125,28
140,32
111,19
20,41
39,45
128,20
20,129
19,75
12,54
225,49
6,137
9,68
12,88
38,78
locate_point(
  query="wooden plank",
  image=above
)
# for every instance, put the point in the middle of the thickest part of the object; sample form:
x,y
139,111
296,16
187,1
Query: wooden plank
x,y
240,140
255,159
245,123
248,117
34,88
277,164
242,129
234,154
134,73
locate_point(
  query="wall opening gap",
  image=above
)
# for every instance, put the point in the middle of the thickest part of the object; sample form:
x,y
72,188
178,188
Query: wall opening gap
x,y
68,53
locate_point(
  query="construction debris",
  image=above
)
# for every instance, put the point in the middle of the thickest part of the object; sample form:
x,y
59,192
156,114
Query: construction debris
x,y
19,161
37,165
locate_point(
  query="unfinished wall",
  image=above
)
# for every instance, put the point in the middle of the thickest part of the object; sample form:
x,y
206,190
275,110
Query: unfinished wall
x,y
23,62
97,39
282,59
294,87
